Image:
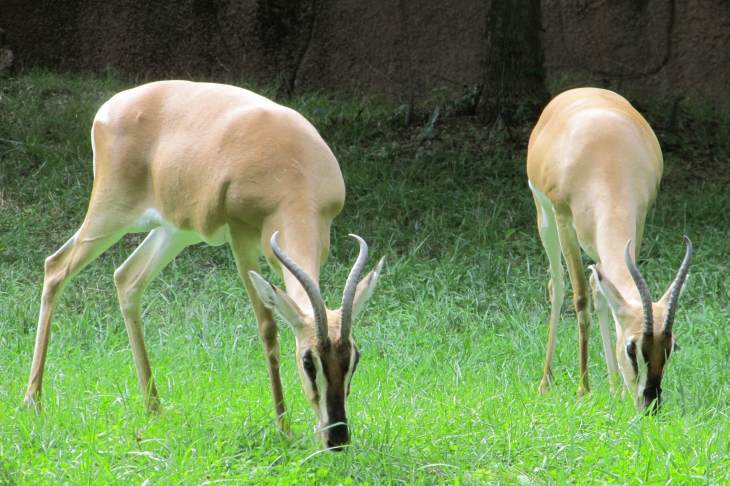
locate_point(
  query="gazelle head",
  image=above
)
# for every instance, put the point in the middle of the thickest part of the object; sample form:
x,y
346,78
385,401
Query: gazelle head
x,y
326,354
644,339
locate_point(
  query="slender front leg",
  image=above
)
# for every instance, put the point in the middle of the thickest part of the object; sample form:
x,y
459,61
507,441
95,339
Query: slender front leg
x,y
601,306
247,260
581,297
547,226
157,250
270,340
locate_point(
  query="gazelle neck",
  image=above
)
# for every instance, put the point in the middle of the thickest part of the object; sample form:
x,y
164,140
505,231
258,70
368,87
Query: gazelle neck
x,y
612,234
295,290
304,246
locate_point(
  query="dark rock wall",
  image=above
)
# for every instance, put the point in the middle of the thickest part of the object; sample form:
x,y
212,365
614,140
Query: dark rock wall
x,y
674,48
409,50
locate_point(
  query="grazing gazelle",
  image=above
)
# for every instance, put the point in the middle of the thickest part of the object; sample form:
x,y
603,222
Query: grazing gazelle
x,y
192,162
594,167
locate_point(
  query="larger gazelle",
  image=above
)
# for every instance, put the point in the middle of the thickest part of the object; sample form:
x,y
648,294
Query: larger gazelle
x,y
192,162
594,167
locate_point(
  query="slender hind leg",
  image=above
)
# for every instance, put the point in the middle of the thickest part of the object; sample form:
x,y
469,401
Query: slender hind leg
x,y
92,239
601,306
547,226
581,297
157,250
245,251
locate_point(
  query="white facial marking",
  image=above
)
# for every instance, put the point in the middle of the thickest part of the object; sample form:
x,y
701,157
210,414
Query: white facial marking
x,y
642,376
350,369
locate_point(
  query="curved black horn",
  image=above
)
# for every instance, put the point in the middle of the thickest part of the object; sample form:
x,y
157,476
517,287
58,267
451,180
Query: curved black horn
x,y
643,289
677,286
310,287
348,295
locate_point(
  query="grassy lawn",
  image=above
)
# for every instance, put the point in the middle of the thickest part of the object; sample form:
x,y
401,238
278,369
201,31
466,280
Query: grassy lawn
x,y
452,341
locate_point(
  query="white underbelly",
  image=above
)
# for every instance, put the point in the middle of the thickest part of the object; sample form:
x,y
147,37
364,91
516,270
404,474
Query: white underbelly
x,y
151,219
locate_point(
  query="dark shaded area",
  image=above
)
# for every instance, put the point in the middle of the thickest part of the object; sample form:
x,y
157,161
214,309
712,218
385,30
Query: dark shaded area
x,y
480,53
668,48
477,57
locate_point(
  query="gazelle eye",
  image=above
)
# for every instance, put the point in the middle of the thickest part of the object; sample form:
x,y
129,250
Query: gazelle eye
x,y
631,353
309,368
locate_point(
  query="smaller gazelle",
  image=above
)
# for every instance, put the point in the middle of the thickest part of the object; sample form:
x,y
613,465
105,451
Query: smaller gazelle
x,y
192,162
594,167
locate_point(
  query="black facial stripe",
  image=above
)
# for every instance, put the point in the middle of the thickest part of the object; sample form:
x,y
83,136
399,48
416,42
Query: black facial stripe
x,y
324,369
345,360
336,408
352,371
653,387
653,393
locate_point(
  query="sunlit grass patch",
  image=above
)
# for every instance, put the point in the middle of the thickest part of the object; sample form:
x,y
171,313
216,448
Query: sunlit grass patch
x,y
452,341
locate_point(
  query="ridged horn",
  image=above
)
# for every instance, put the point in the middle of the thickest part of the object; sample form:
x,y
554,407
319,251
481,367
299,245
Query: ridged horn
x,y
643,289
348,295
310,287
677,286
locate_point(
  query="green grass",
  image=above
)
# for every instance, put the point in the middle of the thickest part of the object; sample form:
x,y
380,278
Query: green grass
x,y
452,341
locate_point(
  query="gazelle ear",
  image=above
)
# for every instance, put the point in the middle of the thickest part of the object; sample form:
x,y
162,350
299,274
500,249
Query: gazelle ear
x,y
615,301
274,298
365,289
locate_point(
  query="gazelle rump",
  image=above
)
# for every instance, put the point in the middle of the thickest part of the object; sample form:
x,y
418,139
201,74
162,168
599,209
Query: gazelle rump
x,y
594,167
203,162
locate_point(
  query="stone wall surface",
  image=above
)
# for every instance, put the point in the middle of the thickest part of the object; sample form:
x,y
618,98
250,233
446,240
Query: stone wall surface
x,y
668,47
407,50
